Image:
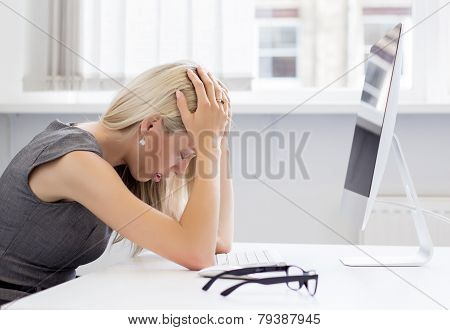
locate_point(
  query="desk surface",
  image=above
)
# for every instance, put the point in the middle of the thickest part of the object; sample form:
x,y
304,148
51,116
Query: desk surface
x,y
152,282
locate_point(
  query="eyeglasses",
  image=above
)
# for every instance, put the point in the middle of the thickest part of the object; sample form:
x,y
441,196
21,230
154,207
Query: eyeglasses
x,y
295,278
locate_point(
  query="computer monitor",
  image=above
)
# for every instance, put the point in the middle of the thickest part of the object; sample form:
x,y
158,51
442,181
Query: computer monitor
x,y
374,128
373,137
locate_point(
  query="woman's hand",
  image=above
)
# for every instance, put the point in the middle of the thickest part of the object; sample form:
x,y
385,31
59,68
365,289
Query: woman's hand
x,y
210,118
226,104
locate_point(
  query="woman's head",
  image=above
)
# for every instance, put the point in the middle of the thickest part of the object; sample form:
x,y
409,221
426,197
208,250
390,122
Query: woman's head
x,y
146,108
158,168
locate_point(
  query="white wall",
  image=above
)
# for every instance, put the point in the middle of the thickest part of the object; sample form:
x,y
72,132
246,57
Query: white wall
x,y
262,214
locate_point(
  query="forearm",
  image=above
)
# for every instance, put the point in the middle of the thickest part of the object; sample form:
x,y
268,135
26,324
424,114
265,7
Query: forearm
x,y
226,212
201,216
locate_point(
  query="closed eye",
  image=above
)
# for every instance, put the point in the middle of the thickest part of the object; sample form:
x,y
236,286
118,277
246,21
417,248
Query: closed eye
x,y
186,155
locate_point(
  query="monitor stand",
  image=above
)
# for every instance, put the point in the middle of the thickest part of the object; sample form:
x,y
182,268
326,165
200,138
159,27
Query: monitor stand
x,y
425,251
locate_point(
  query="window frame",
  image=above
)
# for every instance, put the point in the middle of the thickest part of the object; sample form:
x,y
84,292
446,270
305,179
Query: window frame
x,y
279,22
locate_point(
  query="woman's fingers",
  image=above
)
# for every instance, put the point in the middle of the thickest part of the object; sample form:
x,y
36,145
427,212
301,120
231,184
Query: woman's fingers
x,y
206,89
226,97
183,107
202,97
225,105
223,86
209,85
226,91
223,94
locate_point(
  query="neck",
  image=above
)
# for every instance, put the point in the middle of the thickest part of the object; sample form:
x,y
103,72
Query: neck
x,y
112,142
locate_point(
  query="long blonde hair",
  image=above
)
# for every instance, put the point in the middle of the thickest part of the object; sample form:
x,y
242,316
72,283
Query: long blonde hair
x,y
153,93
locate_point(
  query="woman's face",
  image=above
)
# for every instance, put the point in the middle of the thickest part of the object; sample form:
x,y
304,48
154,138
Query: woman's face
x,y
161,154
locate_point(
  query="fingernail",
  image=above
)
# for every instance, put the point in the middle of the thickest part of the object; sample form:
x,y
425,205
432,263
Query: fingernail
x,y
178,93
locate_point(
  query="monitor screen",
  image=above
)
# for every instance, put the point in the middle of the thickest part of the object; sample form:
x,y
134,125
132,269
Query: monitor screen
x,y
369,122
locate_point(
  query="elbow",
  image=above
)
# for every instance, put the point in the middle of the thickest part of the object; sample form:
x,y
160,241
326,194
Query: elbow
x,y
201,258
199,261
223,247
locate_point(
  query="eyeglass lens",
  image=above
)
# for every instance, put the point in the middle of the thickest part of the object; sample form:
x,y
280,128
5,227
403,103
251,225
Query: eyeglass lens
x,y
311,284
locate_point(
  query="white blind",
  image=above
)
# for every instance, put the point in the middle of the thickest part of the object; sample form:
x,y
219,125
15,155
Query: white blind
x,y
124,38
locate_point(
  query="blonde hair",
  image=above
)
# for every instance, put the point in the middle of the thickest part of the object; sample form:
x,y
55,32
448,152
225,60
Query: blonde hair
x,y
153,93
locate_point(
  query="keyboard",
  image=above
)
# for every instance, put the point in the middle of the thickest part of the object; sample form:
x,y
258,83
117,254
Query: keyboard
x,y
246,258
239,259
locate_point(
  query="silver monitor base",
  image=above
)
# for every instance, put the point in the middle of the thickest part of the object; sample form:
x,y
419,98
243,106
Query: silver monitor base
x,y
420,259
425,252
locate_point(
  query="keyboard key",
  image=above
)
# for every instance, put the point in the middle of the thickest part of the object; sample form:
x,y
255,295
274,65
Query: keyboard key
x,y
242,259
261,256
221,259
251,256
268,256
232,259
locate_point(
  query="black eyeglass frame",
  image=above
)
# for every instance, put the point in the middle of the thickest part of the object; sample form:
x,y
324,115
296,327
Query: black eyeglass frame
x,y
302,279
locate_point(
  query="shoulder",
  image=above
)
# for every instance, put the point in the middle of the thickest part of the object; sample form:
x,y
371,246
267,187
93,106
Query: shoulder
x,y
55,144
80,165
71,175
83,157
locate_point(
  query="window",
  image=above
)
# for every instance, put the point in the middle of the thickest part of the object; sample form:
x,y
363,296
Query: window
x,y
258,47
278,40
379,19
317,41
123,38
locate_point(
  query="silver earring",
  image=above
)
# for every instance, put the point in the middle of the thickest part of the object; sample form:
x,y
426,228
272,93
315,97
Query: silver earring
x,y
142,142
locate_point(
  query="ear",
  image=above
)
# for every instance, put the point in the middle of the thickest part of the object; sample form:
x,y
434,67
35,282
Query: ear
x,y
149,123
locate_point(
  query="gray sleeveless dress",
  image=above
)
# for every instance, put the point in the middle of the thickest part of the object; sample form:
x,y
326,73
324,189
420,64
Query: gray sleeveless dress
x,y
41,244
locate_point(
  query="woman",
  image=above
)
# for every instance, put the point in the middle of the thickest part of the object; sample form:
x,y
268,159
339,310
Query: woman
x,y
153,169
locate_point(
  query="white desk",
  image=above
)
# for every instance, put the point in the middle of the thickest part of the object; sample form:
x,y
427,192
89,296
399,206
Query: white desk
x,y
151,282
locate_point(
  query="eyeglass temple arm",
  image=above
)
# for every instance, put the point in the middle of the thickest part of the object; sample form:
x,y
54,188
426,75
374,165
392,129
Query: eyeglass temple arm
x,y
267,281
243,271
